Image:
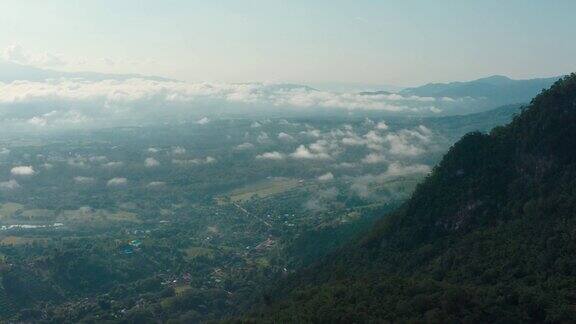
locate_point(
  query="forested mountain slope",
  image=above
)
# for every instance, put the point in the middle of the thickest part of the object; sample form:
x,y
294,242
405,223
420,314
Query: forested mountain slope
x,y
490,236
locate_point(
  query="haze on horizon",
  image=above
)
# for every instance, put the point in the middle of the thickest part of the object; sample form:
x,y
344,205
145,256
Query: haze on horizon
x,y
317,43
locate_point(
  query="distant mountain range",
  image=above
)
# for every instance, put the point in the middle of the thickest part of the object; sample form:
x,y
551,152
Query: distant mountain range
x,y
497,88
12,72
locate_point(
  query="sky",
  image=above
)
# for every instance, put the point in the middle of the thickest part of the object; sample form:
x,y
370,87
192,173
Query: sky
x,y
402,43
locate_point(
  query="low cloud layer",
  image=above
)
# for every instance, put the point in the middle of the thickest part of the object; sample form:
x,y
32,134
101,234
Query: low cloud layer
x,y
79,102
362,184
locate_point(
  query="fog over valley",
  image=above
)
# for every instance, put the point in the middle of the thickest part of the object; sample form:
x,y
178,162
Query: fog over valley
x,y
273,161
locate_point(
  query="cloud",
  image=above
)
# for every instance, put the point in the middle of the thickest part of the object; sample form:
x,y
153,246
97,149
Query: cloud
x,y
156,184
270,156
409,142
382,126
113,164
16,54
311,133
203,121
362,184
245,146
368,122
322,149
403,143
262,137
285,137
320,202
200,161
151,162
47,166
397,169
178,150
315,205
374,158
81,101
117,182
302,152
326,177
83,180
329,193
98,159
22,171
9,185
77,162
59,118
152,150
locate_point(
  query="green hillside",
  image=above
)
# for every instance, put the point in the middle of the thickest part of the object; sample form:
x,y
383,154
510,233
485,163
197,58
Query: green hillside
x,y
490,236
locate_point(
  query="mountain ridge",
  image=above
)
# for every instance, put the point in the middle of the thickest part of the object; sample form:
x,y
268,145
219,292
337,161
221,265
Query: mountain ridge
x,y
15,72
496,86
487,237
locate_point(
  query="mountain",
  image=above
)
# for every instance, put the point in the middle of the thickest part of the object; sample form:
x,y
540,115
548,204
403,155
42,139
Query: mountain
x,y
500,89
374,93
488,237
11,72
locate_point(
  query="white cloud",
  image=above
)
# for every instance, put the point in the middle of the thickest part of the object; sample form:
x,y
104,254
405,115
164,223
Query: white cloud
x,y
409,142
382,126
262,137
47,166
397,169
113,164
156,184
178,150
98,159
245,146
77,162
326,177
203,121
302,152
403,143
9,185
151,162
117,182
353,141
22,171
285,137
362,184
153,150
136,90
320,202
270,156
199,161
311,133
59,118
374,158
83,180
16,54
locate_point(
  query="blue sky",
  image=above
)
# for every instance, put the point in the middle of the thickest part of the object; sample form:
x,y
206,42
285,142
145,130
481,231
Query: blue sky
x,y
362,41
